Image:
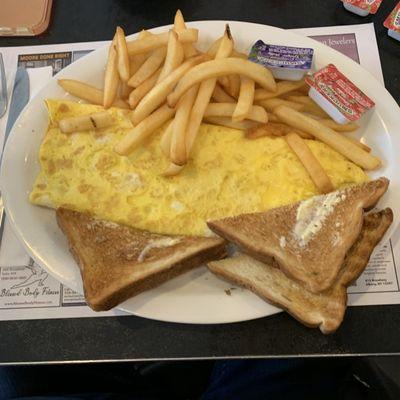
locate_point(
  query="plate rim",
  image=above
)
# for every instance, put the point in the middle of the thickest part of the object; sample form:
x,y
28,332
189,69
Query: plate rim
x,y
38,257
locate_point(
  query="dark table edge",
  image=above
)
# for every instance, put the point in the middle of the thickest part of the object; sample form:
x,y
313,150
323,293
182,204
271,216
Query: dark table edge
x,y
246,357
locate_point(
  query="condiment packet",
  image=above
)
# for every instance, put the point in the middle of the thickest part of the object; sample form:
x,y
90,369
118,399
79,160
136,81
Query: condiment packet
x,y
337,95
362,7
285,62
392,22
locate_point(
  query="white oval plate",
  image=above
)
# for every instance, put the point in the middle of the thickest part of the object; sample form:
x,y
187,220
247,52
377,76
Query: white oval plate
x,y
198,296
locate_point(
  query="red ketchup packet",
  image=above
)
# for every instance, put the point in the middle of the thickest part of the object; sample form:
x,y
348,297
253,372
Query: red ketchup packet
x,y
392,22
369,5
340,92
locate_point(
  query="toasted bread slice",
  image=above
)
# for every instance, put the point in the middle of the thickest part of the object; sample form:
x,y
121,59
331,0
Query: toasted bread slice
x,y
118,262
307,240
324,310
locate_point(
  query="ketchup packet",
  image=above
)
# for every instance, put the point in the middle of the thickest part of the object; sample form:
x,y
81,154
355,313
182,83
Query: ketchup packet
x,y
340,92
368,5
392,22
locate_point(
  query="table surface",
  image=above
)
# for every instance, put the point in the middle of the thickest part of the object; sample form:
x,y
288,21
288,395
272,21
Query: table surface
x,y
366,330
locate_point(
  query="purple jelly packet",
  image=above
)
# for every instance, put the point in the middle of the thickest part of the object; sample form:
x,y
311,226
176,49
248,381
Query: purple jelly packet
x,y
285,62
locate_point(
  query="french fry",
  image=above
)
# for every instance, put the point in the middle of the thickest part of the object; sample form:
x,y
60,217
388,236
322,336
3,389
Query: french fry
x,y
220,96
87,92
213,49
98,120
310,106
165,142
304,89
139,133
237,54
337,141
330,123
274,129
159,93
136,61
153,42
138,93
173,169
349,127
272,117
225,121
179,126
123,57
220,67
292,93
125,90
271,104
224,82
310,163
245,99
174,56
282,87
256,113
148,68
111,78
205,92
234,85
179,25
359,144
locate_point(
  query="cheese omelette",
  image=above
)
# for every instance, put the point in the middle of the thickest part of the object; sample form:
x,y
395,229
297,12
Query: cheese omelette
x,y
226,175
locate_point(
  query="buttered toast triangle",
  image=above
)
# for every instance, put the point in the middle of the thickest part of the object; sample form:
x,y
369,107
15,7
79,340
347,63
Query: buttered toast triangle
x,y
118,262
307,240
324,310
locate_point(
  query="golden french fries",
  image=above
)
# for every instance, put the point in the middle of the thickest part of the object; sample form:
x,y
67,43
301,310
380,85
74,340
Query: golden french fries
x,y
111,78
174,55
125,91
245,99
98,120
164,77
309,106
237,54
282,87
224,82
159,92
271,104
272,117
87,92
256,113
274,129
220,67
173,169
225,121
221,96
165,142
205,92
359,144
330,123
310,163
212,51
123,57
149,67
139,133
333,139
153,42
234,85
179,25
137,60
138,93
179,126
